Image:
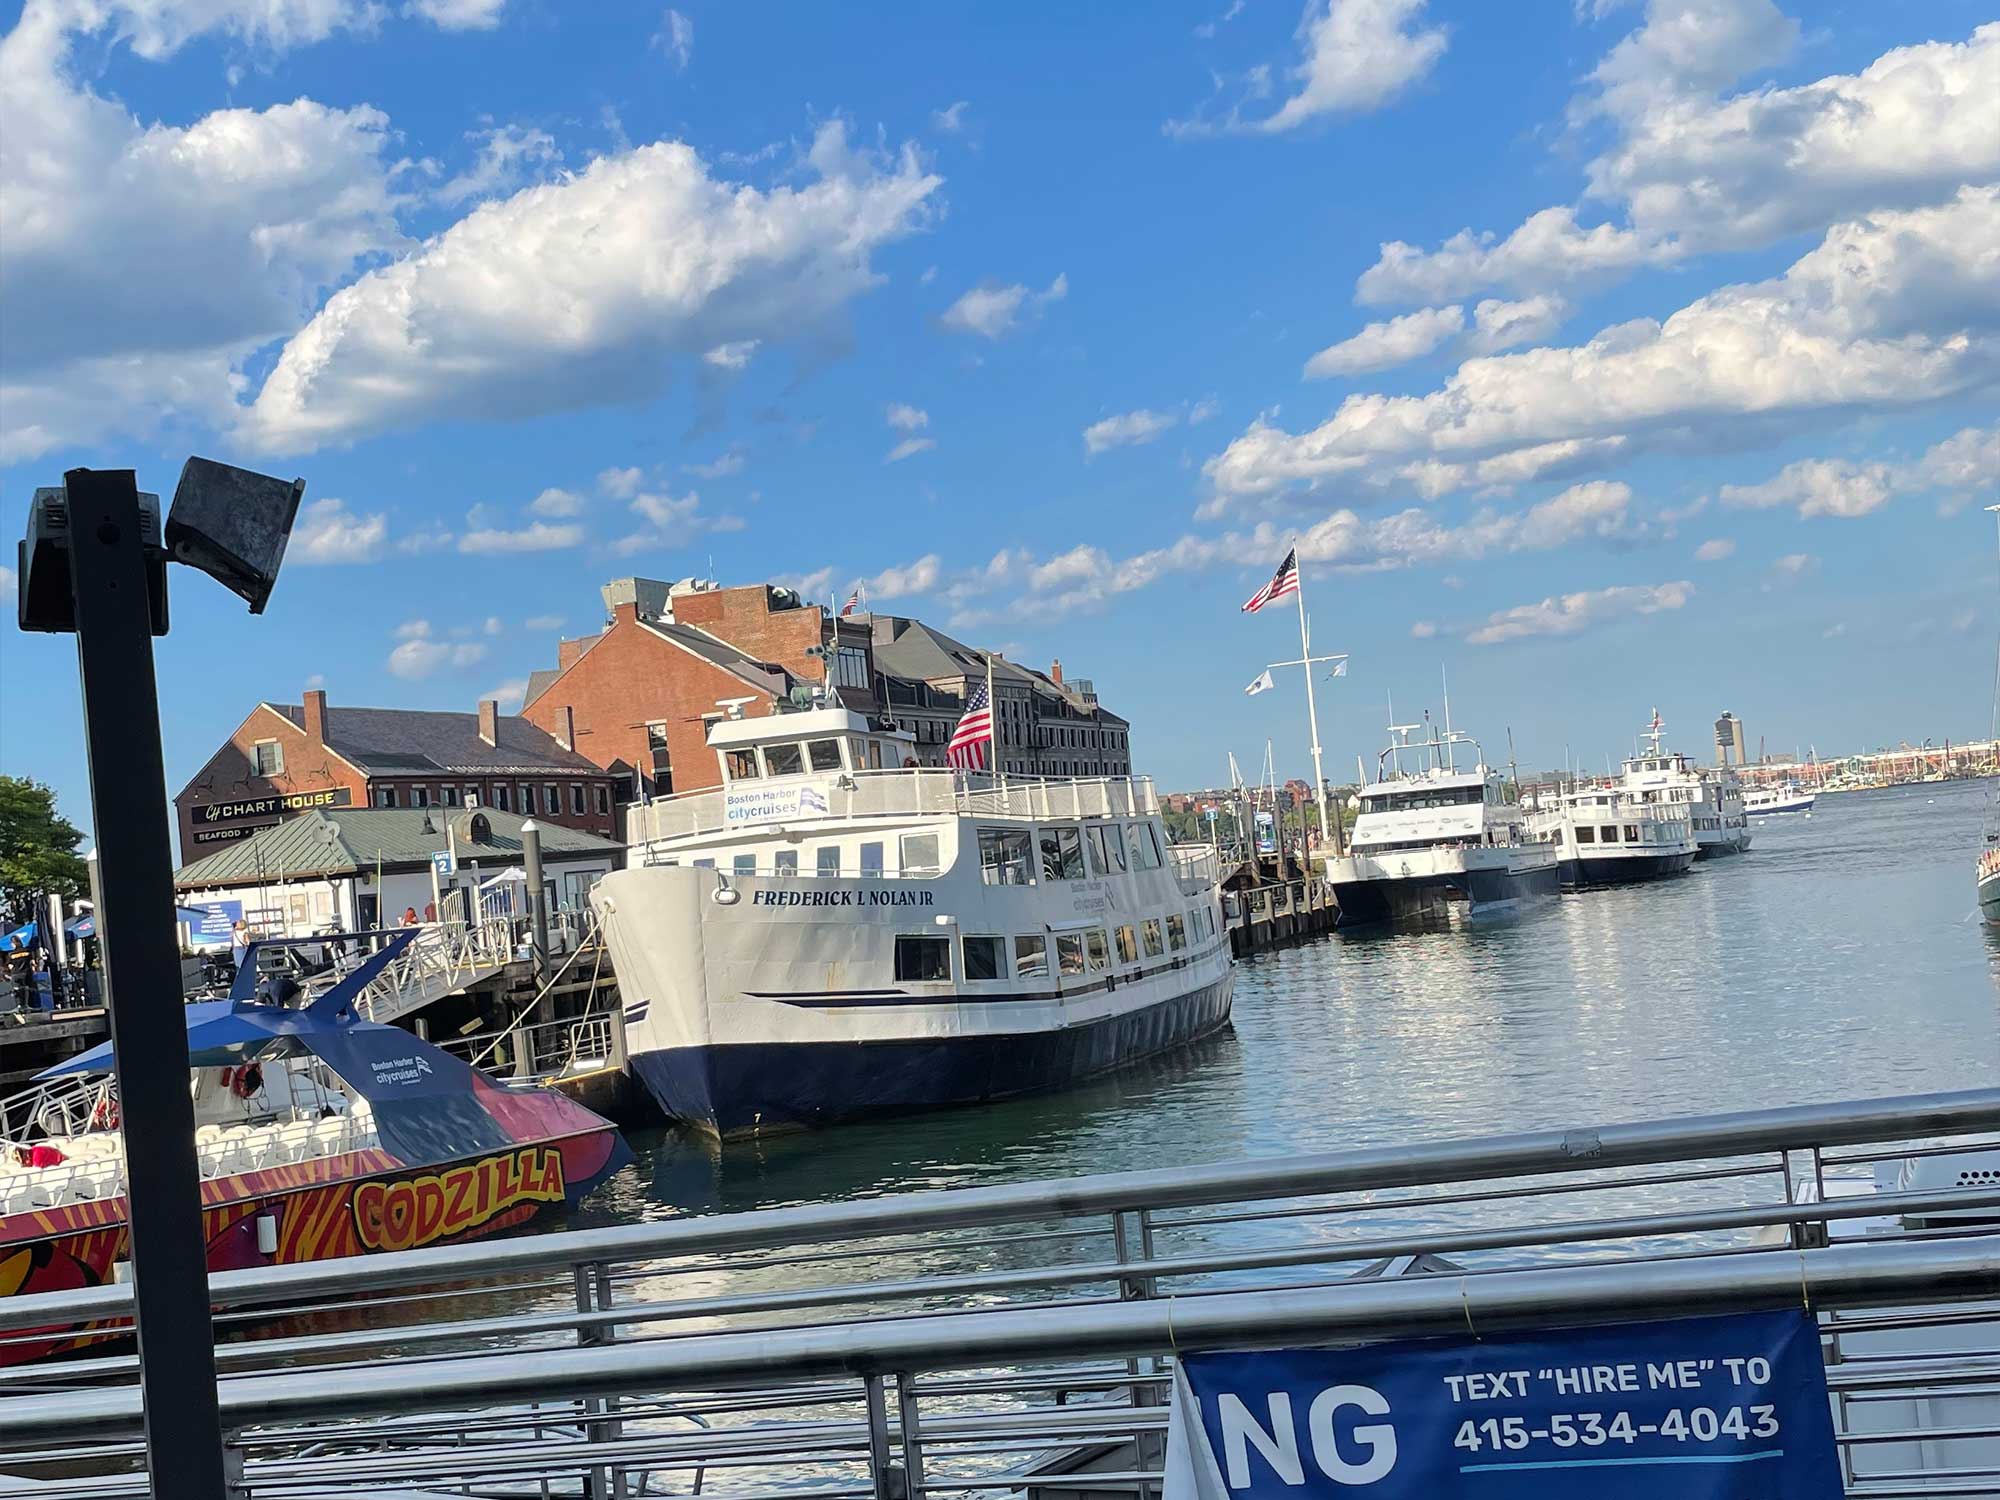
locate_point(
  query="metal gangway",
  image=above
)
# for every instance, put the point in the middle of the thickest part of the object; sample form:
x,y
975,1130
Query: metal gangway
x,y
1018,1339
449,955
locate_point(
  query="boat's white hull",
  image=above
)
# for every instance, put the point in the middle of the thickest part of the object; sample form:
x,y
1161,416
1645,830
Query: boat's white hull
x,y
780,1009
1801,803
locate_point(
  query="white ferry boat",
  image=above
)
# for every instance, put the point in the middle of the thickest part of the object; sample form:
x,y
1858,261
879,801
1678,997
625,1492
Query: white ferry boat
x,y
1433,840
1621,831
825,936
1769,801
1713,798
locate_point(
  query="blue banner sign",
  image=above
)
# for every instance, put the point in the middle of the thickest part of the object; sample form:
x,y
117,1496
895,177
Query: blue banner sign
x,y
1731,1408
218,921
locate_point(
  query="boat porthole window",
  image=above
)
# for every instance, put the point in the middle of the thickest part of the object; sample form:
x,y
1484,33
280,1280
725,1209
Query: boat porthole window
x,y
918,854
1069,952
871,858
1149,931
1031,958
1128,946
786,861
923,960
826,859
1631,834
1095,949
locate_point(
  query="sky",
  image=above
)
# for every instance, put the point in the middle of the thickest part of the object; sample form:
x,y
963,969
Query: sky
x,y
1598,355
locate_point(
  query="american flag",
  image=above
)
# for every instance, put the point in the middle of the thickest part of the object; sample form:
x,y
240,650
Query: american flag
x,y
853,603
1284,581
971,743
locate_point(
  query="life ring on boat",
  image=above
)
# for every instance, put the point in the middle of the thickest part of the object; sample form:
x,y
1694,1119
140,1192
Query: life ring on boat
x,y
243,1081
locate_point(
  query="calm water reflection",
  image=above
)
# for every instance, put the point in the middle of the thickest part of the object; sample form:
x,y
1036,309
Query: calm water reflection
x,y
1841,958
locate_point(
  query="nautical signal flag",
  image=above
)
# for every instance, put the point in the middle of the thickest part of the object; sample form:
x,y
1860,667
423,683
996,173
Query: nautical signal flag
x,y
1284,581
971,743
1262,684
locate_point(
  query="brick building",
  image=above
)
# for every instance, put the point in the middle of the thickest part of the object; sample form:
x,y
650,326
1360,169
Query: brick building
x,y
286,759
674,658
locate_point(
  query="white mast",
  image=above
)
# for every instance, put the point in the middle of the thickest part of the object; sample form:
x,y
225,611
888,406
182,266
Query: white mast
x,y
1312,708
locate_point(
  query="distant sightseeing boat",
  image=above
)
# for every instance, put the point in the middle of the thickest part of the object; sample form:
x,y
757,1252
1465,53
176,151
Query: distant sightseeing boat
x,y
1769,801
1624,831
1433,840
825,937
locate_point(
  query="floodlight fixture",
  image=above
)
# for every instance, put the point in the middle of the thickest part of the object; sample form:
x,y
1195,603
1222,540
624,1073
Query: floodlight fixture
x,y
233,524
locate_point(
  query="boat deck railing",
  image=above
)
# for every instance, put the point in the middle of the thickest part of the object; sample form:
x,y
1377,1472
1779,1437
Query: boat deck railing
x,y
1016,1338
912,792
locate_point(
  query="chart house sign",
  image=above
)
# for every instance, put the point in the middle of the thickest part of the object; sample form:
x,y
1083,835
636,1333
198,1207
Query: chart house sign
x,y
267,809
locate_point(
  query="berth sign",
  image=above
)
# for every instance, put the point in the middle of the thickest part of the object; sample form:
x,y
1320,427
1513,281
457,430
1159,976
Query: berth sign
x,y
1728,1408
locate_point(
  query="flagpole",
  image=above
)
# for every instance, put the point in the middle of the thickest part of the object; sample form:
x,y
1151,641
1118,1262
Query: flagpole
x,y
1312,711
993,722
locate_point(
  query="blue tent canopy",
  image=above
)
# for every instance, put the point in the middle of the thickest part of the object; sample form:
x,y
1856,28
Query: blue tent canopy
x,y
21,937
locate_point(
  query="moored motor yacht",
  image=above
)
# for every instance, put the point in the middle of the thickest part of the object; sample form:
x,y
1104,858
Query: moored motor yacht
x,y
1770,801
1431,839
825,936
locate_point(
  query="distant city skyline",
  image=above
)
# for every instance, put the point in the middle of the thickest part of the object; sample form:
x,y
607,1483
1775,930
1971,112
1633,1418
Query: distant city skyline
x,y
1607,356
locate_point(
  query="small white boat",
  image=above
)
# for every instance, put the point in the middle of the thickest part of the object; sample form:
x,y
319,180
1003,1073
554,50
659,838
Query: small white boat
x,y
1769,801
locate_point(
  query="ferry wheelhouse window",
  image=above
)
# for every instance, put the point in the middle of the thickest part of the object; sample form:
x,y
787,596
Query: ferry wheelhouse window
x,y
824,755
1069,952
1003,856
1610,834
1631,834
1585,834
826,860
1128,946
1149,930
783,760
741,765
1107,849
1094,949
1062,854
270,758
1031,957
786,861
918,854
983,956
1176,932
871,858
923,960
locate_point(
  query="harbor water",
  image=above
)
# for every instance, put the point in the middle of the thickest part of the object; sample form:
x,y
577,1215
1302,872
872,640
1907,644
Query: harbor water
x,y
1841,958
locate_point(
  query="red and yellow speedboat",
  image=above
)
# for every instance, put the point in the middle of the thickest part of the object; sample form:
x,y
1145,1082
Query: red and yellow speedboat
x,y
319,1134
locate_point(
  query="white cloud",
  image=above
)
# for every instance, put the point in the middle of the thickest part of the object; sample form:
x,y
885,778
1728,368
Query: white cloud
x,y
992,311
1693,172
1380,345
508,694
1126,430
907,418
1597,510
1202,410
1790,568
676,38
1423,630
459,15
731,356
620,484
1498,325
537,536
575,293
1897,309
909,448
422,655
951,120
145,262
1959,469
10,585
328,532
919,577
721,466
670,521
1570,614
543,622
508,156
1715,549
556,503
493,625
1209,28
1834,631
1357,56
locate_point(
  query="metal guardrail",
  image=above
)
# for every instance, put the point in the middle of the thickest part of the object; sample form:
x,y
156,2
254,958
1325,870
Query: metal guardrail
x,y
913,792
943,1341
446,956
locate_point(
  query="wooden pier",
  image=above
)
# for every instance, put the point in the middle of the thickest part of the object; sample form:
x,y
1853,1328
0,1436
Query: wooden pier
x,y
1270,916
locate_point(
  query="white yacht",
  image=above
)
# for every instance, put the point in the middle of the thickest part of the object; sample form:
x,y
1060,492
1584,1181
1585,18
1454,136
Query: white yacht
x,y
1713,798
1431,839
1622,831
1786,797
824,936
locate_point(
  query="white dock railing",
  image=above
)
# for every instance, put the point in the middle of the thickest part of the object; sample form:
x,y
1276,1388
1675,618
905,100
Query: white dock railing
x,y
907,793
446,957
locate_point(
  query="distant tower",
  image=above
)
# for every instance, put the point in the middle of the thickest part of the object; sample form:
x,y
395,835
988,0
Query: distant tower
x,y
1728,738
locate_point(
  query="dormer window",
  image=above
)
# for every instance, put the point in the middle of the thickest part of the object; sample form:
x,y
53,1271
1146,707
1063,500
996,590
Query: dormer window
x,y
269,757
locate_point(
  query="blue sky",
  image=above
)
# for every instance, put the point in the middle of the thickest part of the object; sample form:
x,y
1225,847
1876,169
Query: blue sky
x,y
1602,354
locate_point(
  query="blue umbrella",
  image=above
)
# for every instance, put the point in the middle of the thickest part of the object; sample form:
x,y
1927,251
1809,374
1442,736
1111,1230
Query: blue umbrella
x,y
84,926
22,937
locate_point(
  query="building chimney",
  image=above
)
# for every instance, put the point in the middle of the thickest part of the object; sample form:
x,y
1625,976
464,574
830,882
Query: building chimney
x,y
489,720
1055,673
316,715
566,735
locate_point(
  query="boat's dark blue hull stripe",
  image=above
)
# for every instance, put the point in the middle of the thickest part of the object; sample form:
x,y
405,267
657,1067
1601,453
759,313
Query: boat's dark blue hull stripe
x,y
1623,869
1381,900
752,1086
